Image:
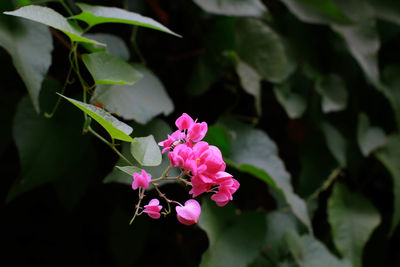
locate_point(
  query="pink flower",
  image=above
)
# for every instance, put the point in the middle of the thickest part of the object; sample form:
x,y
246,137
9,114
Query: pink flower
x,y
188,214
225,192
200,184
182,156
153,209
175,136
208,159
197,131
141,180
184,122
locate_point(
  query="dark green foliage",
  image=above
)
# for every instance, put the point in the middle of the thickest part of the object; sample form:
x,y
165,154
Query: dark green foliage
x,y
301,96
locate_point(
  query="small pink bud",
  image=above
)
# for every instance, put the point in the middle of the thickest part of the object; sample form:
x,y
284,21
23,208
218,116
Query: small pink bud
x,y
141,180
188,214
184,122
153,209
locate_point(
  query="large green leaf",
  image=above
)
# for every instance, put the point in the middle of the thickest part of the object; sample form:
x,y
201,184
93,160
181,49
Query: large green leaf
x,y
278,222
353,219
261,48
333,91
363,43
205,73
140,102
114,45
253,8
48,149
309,252
369,138
336,143
146,151
130,170
159,129
227,233
251,82
389,155
387,9
72,186
116,129
391,88
108,69
53,19
316,11
356,10
293,103
94,15
254,152
30,46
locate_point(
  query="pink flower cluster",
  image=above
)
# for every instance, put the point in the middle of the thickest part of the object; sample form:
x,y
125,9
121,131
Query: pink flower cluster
x,y
199,161
202,162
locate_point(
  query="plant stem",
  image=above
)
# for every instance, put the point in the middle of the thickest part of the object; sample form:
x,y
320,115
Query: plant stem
x,y
51,114
163,196
110,145
332,177
135,46
141,195
66,7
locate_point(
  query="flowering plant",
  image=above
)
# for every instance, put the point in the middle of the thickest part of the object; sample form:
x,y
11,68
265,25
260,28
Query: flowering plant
x,y
201,167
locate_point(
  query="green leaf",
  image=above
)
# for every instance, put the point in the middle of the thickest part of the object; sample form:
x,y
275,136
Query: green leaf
x,y
140,102
30,46
114,45
53,19
261,48
227,239
369,138
109,69
71,188
389,156
336,143
391,88
309,252
363,43
45,146
278,222
387,9
293,103
353,219
253,8
130,170
206,72
146,151
251,82
332,88
254,152
160,130
94,15
356,10
316,11
116,129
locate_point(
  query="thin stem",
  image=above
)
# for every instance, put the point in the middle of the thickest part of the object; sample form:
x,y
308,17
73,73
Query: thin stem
x,y
110,145
66,7
332,177
141,196
164,197
51,114
135,46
